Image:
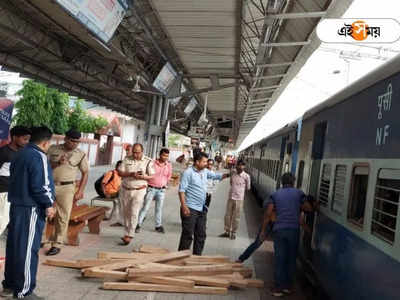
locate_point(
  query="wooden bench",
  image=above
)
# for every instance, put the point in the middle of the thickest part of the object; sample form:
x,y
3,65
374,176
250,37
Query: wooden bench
x,y
80,216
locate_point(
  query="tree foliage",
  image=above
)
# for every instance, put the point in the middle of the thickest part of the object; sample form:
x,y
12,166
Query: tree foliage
x,y
43,106
79,119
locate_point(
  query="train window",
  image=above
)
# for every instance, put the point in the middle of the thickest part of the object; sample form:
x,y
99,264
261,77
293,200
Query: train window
x,y
300,174
386,203
286,167
325,185
358,195
338,189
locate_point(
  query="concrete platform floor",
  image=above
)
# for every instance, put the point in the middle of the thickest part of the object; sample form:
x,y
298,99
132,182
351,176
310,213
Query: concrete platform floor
x,y
62,283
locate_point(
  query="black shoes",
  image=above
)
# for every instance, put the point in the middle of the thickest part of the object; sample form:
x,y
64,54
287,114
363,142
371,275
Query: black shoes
x,y
160,229
233,236
32,296
225,235
52,251
137,230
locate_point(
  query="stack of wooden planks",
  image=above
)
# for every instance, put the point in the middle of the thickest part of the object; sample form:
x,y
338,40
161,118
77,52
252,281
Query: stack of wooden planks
x,y
159,270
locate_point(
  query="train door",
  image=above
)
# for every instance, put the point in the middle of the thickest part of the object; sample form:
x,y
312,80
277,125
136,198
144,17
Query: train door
x,y
311,219
317,156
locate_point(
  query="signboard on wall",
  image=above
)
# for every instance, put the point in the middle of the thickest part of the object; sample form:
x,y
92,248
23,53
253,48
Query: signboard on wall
x,y
101,17
6,109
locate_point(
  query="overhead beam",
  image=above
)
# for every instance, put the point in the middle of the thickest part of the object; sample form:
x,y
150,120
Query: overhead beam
x,y
274,65
266,88
302,15
286,44
209,89
206,76
269,76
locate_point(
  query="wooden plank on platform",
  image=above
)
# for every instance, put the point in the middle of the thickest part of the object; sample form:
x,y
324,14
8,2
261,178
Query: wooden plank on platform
x,y
88,263
98,273
207,280
256,283
122,255
62,263
153,258
153,269
132,286
152,249
166,280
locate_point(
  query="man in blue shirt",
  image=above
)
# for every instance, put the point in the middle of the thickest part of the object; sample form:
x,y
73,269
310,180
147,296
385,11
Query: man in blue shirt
x,y
287,203
192,195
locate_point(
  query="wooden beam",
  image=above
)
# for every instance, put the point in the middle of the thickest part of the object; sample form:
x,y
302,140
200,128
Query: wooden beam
x,y
153,269
62,263
98,273
152,258
207,280
131,286
166,280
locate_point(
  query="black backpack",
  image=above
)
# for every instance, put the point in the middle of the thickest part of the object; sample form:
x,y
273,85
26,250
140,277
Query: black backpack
x,y
99,188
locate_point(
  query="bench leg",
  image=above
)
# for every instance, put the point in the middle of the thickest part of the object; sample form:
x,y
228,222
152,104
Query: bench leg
x,y
94,224
73,233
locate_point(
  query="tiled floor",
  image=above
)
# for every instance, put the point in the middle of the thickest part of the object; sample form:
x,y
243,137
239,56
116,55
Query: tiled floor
x,y
62,283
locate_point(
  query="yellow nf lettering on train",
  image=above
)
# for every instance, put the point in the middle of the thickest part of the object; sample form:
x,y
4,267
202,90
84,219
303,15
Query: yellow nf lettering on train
x,y
384,105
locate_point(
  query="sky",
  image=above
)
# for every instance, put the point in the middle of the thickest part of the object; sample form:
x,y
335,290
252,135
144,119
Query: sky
x,y
314,84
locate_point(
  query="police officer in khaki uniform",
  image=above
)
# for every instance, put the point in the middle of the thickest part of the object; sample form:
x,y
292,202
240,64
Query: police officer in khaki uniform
x,y
66,159
135,170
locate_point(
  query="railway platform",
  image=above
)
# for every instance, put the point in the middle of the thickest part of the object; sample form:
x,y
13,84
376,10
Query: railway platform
x,y
62,283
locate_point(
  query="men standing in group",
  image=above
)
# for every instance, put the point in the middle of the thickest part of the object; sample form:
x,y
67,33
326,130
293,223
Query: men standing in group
x,y
31,195
135,171
66,159
19,138
240,182
192,195
156,190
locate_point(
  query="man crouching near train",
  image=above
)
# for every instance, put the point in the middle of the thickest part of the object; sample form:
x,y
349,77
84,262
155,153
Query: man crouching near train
x,y
287,203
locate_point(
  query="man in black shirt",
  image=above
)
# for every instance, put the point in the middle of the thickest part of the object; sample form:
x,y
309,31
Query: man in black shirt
x,y
20,136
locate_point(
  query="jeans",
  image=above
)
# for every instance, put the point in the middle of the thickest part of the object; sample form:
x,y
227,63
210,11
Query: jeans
x,y
256,244
158,195
286,244
195,224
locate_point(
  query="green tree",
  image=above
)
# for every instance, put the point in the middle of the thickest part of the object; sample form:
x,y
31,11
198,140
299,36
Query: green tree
x,y
80,120
34,109
60,113
43,106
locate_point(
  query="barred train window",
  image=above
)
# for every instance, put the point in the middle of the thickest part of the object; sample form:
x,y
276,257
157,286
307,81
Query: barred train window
x,y
358,195
386,203
338,189
325,184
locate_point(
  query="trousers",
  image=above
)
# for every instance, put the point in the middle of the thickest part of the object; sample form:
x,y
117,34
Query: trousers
x,y
23,243
193,225
158,195
232,215
132,202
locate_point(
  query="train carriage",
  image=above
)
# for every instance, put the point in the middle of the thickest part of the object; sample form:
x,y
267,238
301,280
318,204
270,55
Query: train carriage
x,y
347,155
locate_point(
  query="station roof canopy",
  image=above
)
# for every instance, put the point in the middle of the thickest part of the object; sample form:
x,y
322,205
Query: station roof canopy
x,y
242,54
